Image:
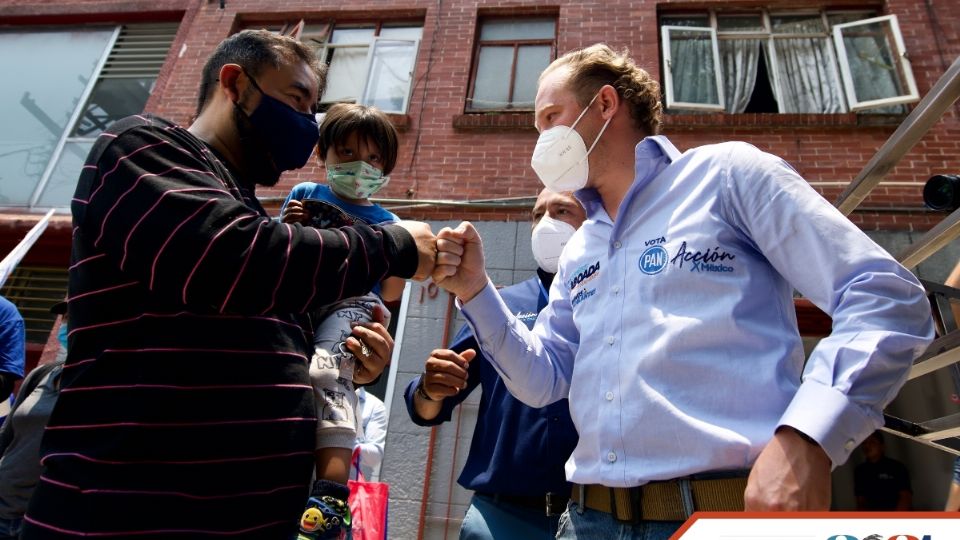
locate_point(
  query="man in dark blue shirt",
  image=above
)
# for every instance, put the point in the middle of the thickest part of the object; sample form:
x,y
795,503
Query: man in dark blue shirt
x,y
12,347
516,460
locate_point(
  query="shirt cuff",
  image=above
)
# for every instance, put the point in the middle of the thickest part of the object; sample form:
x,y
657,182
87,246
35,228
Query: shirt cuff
x,y
486,313
830,418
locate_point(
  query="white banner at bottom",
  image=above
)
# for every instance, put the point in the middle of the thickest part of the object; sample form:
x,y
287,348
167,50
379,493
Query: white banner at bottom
x,y
821,526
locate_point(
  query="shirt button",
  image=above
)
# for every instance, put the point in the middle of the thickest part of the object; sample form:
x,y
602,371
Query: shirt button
x,y
617,244
616,289
611,457
850,445
609,396
610,340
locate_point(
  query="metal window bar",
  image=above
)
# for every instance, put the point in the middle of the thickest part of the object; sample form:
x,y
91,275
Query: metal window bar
x,y
34,290
941,433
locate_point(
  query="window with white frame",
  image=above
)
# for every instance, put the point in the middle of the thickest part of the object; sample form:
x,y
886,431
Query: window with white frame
x,y
509,57
818,62
65,86
369,63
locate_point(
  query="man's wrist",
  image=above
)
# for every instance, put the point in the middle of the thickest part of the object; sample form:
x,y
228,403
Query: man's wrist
x,y
474,291
806,438
422,393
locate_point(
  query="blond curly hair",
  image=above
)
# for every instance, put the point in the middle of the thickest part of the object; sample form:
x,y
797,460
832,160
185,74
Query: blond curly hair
x,y
598,65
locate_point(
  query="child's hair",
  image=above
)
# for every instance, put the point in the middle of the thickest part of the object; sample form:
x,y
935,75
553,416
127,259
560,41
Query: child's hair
x,y
369,123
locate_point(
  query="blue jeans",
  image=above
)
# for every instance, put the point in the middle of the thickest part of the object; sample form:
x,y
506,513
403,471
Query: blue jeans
x,y
592,524
487,519
10,528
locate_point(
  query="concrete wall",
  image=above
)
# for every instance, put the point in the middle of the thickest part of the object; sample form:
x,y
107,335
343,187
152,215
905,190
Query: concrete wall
x,y
507,251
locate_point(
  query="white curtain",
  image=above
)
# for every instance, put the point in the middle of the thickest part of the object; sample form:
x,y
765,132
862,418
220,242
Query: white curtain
x,y
346,74
691,57
808,75
738,66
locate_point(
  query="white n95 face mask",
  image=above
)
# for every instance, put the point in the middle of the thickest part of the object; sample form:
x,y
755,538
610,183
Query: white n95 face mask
x,y
560,157
547,242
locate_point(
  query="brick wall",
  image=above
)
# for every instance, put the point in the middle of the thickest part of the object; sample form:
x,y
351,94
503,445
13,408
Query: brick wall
x,y
451,155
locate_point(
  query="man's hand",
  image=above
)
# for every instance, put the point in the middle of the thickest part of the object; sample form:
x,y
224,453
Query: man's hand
x,y
372,345
426,247
791,474
445,373
294,212
460,264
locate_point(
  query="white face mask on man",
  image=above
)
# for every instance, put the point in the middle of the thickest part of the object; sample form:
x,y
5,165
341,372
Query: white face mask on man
x,y
560,157
547,242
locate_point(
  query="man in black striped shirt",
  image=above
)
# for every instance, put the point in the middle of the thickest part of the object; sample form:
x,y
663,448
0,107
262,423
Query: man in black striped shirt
x,y
186,410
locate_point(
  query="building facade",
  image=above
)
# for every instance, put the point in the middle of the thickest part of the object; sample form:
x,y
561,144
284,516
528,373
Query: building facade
x,y
821,83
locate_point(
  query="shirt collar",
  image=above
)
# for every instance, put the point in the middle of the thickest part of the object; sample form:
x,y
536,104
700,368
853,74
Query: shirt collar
x,y
651,156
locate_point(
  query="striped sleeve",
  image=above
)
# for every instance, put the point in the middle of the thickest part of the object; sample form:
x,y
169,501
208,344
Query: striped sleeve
x,y
170,221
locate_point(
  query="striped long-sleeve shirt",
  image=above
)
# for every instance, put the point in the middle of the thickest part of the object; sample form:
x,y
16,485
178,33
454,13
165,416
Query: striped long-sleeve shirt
x,y
186,408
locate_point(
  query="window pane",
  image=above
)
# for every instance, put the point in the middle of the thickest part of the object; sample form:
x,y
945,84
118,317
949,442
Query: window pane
x,y
346,74
875,71
740,23
492,87
516,29
531,61
401,32
390,75
692,67
797,24
63,182
685,20
36,104
111,100
352,35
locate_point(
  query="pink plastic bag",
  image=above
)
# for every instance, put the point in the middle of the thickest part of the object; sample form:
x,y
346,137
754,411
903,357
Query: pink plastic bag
x,y
368,505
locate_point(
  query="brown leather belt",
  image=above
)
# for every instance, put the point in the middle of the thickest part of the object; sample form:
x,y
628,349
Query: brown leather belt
x,y
553,504
672,500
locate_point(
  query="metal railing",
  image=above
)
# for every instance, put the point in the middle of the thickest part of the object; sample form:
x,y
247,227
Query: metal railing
x,y
942,433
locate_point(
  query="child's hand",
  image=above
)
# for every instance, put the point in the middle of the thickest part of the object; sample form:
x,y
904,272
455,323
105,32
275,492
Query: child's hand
x,y
294,212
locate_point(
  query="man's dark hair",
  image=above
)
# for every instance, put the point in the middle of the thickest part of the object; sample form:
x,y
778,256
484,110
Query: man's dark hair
x,y
252,50
369,123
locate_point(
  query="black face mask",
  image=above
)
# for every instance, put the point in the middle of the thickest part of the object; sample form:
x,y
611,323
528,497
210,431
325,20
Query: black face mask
x,y
286,136
258,166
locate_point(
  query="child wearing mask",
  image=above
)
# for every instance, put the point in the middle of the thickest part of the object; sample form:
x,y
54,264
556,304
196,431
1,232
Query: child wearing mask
x,y
358,147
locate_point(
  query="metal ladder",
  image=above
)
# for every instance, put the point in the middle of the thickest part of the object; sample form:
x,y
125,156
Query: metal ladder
x,y
944,353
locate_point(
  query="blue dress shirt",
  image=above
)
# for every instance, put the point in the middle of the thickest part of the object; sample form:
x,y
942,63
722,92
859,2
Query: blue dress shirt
x,y
673,331
516,450
12,339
